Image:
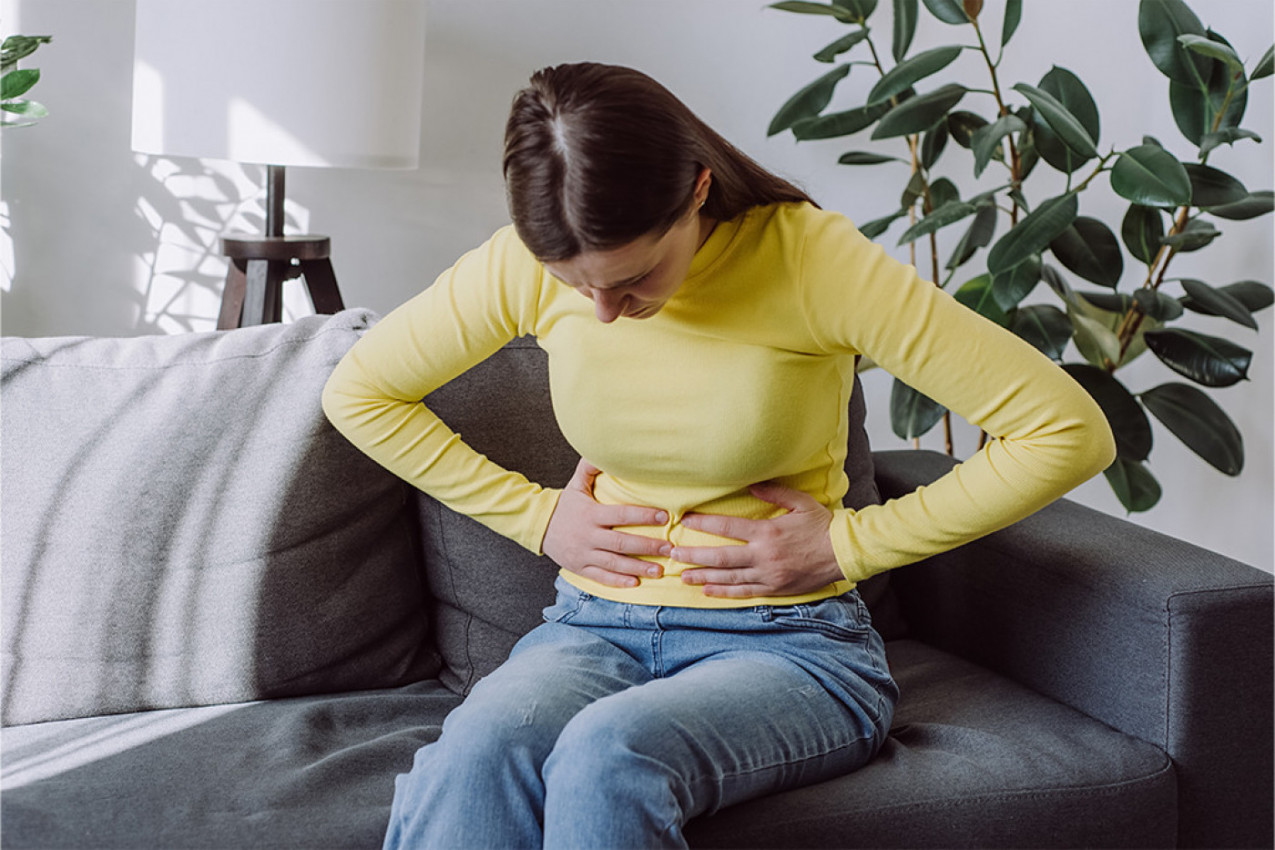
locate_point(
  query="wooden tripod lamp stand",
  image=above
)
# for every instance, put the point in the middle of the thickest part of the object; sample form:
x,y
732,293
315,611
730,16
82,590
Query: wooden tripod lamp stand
x,y
279,83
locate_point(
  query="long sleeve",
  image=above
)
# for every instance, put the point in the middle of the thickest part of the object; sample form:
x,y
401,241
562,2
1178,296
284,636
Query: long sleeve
x,y
1047,434
374,395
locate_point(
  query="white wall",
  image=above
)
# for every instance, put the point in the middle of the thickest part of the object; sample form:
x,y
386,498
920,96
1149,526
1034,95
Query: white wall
x,y
104,242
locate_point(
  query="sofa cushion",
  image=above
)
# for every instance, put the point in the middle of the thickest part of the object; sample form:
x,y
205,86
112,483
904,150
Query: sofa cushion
x,y
183,527
306,772
973,760
488,591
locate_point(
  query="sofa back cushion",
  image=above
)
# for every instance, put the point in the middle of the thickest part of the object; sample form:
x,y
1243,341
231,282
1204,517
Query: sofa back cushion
x,y
183,527
487,590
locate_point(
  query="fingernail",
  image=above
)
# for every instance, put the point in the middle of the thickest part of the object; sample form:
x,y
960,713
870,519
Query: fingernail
x,y
661,517
654,572
666,550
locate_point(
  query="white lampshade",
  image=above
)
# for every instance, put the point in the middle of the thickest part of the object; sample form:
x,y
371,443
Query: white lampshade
x,y
332,83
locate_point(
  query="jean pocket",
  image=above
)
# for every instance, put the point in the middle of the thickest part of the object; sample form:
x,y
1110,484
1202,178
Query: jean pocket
x,y
568,603
842,617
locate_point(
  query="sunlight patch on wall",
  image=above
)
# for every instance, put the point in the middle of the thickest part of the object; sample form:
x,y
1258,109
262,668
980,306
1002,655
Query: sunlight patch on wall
x,y
187,206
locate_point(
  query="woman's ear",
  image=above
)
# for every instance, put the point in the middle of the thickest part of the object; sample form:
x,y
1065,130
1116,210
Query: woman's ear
x,y
702,185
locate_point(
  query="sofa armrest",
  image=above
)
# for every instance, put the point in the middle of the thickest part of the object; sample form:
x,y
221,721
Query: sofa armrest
x,y
1163,640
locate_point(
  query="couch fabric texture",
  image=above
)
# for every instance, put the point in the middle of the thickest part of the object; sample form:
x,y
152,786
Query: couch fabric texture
x,y
223,627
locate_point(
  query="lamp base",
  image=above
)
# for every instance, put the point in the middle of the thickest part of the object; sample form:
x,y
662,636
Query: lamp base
x,y
258,267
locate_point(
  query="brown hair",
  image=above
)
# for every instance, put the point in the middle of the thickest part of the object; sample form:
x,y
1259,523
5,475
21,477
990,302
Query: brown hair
x,y
599,155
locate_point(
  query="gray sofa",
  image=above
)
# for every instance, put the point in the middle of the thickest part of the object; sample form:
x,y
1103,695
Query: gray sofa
x,y
224,628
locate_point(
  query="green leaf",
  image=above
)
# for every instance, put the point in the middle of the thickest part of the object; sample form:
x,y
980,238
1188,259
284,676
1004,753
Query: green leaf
x,y
913,190
1059,118
836,124
1068,90
1013,14
866,158
1033,234
1225,136
1160,22
911,413
943,192
1142,231
860,9
1199,423
1205,299
1133,484
1206,46
1208,360
1252,294
905,16
1265,65
938,218
1256,204
832,51
1151,176
877,226
978,235
962,125
1195,107
987,140
17,83
1156,305
919,113
1197,234
1128,421
26,108
1012,286
17,47
977,294
808,8
1044,326
932,144
1095,339
1091,250
809,101
947,11
901,77
1213,188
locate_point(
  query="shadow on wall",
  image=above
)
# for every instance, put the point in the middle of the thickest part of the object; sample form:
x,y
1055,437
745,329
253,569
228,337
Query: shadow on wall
x,y
186,205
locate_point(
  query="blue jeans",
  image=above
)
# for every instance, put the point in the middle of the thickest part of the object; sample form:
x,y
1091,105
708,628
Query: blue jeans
x,y
611,725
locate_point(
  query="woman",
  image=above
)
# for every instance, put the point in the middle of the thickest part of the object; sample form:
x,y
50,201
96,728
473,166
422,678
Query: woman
x,y
702,319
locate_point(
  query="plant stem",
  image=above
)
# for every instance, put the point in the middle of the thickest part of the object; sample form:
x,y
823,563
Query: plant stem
x,y
1015,170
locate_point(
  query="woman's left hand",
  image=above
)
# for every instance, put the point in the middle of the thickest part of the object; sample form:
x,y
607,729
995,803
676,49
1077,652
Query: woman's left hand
x,y
785,556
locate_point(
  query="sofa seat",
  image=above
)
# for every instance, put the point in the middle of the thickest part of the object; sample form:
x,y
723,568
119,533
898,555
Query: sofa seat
x,y
971,754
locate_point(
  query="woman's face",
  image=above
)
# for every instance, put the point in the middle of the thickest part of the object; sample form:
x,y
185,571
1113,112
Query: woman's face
x,y
637,279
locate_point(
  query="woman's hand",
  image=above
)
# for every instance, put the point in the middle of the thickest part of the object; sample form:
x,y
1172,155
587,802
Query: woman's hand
x,y
785,556
582,539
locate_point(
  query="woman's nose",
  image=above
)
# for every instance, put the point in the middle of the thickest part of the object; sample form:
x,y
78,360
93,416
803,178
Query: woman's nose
x,y
607,306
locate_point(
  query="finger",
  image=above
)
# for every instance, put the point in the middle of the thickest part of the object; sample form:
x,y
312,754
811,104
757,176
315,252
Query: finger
x,y
736,528
582,479
730,557
613,515
784,497
610,579
708,576
623,565
634,544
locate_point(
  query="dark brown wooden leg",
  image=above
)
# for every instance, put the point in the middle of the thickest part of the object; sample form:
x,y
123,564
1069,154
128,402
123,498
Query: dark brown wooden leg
x,y
232,297
320,280
264,299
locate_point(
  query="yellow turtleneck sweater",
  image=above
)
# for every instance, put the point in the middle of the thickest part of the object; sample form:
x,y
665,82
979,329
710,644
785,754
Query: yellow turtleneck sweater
x,y
744,376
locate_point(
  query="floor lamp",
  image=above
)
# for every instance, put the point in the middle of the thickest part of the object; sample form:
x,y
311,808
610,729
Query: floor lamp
x,y
320,83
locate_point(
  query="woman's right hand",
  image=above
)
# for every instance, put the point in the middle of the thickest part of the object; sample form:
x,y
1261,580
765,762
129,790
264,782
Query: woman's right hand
x,y
582,539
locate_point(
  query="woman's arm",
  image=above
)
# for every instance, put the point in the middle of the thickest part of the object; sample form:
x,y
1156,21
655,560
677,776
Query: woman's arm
x,y
374,398
1047,434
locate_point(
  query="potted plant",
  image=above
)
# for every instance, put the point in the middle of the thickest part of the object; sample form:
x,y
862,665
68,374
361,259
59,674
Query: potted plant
x,y
15,82
1025,129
